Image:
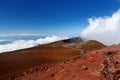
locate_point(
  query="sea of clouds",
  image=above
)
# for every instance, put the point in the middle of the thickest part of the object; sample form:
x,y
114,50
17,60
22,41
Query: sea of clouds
x,y
104,29
22,44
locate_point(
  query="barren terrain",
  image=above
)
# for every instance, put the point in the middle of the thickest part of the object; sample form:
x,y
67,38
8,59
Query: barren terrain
x,y
16,64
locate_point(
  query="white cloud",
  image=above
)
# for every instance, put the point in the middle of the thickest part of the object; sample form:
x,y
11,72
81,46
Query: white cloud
x,y
1,40
22,44
50,39
104,29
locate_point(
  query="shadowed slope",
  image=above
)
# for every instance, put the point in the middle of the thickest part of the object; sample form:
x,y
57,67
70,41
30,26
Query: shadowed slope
x,y
90,45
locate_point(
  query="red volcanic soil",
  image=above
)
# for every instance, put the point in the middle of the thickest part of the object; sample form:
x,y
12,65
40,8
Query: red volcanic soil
x,y
19,61
51,62
101,64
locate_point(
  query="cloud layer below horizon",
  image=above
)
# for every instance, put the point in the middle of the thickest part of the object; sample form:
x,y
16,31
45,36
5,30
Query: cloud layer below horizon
x,y
104,29
22,44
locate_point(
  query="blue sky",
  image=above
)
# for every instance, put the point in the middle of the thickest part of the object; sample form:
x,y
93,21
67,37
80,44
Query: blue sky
x,y
51,16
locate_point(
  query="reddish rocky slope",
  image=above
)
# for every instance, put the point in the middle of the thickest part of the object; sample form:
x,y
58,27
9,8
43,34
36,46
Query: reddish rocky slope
x,y
101,64
13,64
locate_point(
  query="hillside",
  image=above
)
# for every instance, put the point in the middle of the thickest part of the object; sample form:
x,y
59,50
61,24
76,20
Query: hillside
x,y
101,64
90,45
17,62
